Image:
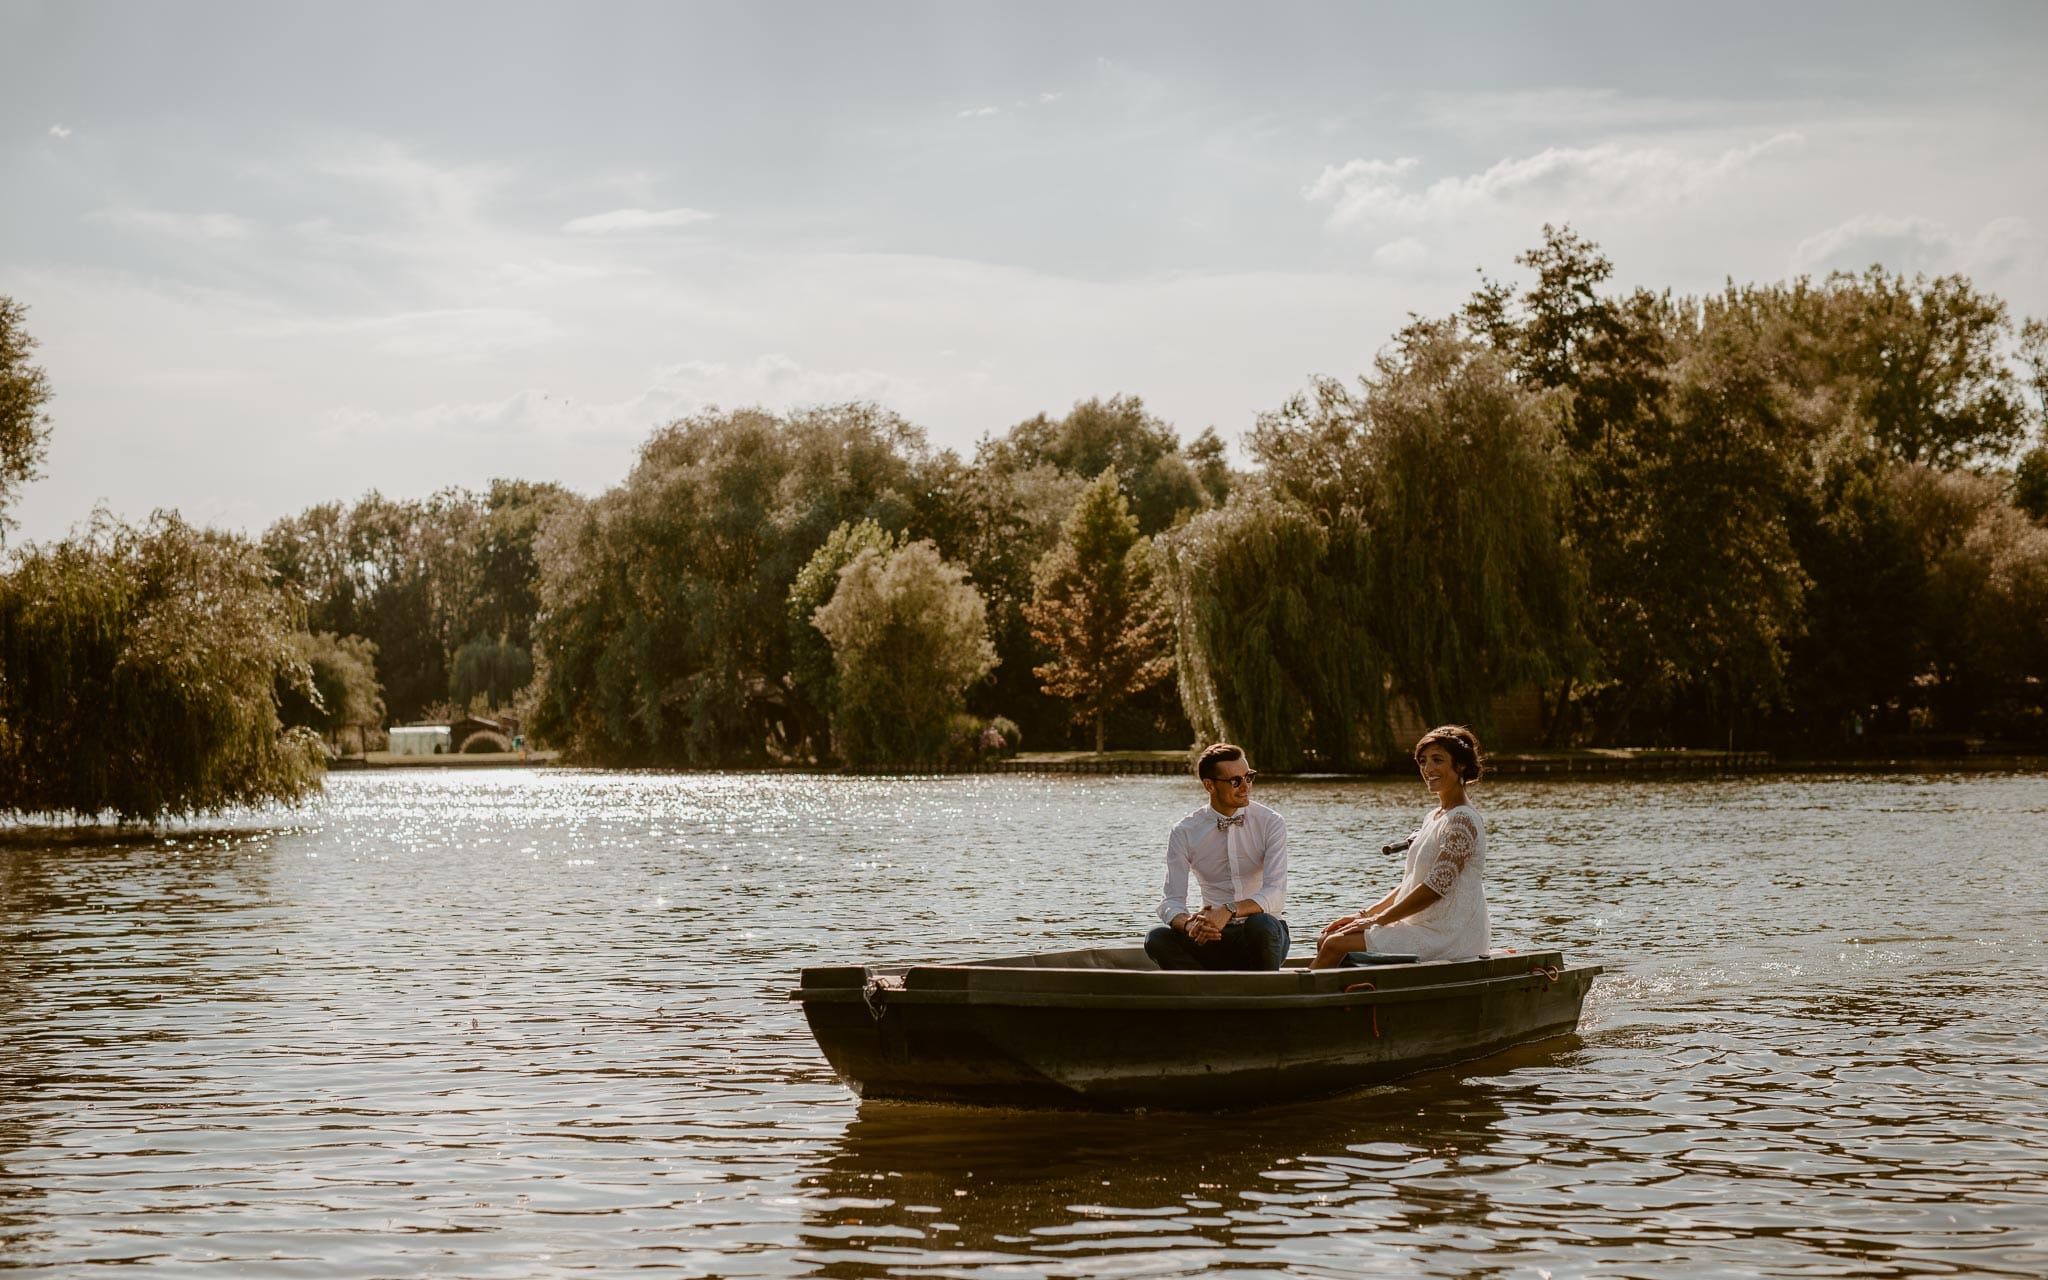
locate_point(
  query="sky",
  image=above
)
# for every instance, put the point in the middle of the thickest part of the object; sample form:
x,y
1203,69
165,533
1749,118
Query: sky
x,y
281,254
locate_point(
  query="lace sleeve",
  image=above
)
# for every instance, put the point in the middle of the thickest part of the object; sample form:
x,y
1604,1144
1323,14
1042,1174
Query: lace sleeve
x,y
1460,839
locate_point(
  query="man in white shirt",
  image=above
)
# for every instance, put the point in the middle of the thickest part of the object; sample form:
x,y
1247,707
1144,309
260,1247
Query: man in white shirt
x,y
1237,852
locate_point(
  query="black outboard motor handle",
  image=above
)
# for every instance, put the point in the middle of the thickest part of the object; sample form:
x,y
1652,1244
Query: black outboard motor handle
x,y
1399,846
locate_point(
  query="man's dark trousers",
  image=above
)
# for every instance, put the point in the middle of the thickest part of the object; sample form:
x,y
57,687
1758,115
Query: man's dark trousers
x,y
1257,941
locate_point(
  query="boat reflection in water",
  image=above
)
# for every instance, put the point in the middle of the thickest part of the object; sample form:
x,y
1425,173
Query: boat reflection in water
x,y
1105,1029
909,1185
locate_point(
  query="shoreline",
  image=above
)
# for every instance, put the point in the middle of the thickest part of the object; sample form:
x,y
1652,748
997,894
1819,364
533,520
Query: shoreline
x,y
1597,760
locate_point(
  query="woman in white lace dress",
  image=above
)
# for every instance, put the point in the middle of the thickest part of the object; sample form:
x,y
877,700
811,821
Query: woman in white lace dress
x,y
1438,911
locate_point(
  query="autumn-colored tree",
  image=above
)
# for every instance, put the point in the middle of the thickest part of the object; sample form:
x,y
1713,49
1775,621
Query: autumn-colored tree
x,y
1096,609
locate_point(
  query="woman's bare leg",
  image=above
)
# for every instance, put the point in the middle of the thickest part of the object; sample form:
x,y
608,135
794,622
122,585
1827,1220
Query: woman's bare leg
x,y
1334,948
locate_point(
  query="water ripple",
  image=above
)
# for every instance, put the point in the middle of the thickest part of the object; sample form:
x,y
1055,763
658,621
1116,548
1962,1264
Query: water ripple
x,y
529,1023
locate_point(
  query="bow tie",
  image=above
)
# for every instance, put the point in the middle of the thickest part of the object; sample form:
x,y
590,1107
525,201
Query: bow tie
x,y
1235,820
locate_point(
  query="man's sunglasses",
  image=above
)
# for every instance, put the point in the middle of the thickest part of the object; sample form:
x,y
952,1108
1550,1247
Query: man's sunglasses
x,y
1241,780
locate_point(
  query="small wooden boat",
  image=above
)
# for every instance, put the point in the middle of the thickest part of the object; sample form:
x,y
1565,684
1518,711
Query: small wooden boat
x,y
1105,1029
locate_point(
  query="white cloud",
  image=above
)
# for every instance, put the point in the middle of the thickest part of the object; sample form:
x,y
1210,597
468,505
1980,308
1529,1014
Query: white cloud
x,y
453,334
628,220
178,226
2000,248
519,414
1360,185
542,272
1404,254
773,381
977,113
1610,175
1485,118
427,192
1050,96
58,131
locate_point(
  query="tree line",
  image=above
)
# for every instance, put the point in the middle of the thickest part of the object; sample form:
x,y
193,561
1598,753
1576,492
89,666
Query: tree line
x,y
1810,515
1804,515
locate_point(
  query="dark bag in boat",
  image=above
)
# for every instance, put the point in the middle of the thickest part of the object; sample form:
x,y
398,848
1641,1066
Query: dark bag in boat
x,y
1360,959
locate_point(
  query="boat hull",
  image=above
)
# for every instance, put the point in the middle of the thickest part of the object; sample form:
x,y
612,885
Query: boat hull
x,y
1102,1029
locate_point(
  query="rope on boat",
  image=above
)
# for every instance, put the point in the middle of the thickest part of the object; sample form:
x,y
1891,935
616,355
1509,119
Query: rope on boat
x,y
1547,972
871,995
1367,986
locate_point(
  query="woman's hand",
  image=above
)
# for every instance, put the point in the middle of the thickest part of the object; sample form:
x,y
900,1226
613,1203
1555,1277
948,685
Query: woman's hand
x,y
1340,926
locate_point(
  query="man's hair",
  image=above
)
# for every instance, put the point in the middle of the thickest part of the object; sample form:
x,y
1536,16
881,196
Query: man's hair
x,y
1462,743
1205,767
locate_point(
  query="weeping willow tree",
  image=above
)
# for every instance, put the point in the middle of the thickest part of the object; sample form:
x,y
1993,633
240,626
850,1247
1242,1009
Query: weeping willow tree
x,y
1475,588
1268,618
493,671
1405,545
140,677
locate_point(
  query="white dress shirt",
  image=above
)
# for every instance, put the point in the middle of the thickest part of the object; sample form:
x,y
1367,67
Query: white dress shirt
x,y
1245,860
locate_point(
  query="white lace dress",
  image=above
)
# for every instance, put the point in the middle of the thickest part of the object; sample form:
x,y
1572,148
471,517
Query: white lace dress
x,y
1449,855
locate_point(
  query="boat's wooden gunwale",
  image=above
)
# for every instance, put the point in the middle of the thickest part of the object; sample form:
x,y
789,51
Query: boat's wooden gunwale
x,y
1276,1001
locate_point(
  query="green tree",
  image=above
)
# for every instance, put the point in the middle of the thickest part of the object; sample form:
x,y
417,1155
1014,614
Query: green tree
x,y
908,635
1097,435
2030,474
1096,609
1928,360
488,671
24,391
665,636
1441,575
812,675
368,570
1987,592
998,519
310,555
1686,431
396,549
152,655
2030,483
1269,607
343,693
424,580
1866,620
507,570
1206,458
1000,515
1476,592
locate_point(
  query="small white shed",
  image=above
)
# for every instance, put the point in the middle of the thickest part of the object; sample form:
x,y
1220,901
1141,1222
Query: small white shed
x,y
420,740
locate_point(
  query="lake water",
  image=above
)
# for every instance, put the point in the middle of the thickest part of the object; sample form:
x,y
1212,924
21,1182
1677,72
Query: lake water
x,y
531,1023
